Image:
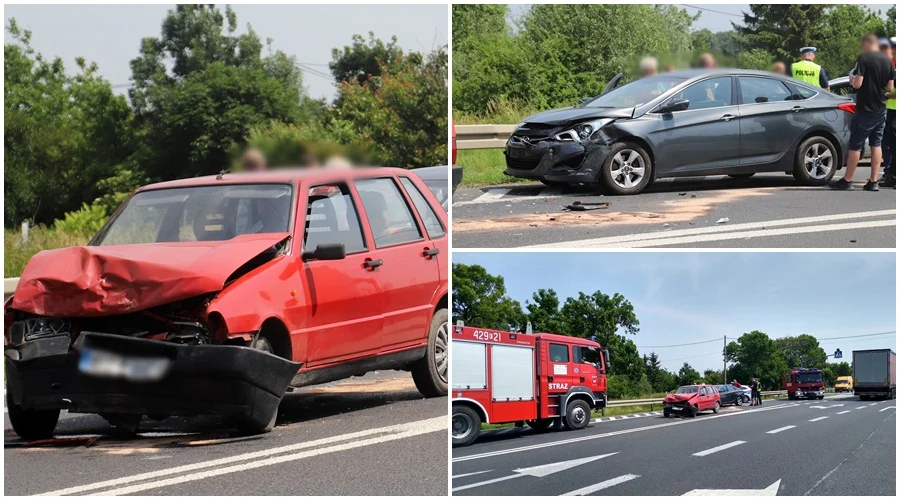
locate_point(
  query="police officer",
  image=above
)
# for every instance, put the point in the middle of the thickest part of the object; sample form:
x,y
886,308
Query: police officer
x,y
889,144
806,70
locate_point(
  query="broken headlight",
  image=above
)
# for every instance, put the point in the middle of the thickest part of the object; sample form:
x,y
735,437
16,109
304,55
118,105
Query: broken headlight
x,y
582,131
37,328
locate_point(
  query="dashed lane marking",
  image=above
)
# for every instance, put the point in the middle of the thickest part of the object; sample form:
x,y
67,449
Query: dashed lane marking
x,y
780,429
587,490
471,474
718,448
887,408
842,412
817,419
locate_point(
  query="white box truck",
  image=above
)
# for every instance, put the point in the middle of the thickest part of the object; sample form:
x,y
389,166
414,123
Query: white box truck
x,y
875,373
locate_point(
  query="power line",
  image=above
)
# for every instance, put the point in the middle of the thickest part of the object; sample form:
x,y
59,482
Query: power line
x,y
858,336
676,345
712,10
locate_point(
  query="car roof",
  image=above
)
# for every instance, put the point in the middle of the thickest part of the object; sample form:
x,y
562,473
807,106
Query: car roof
x,y
278,175
695,73
440,172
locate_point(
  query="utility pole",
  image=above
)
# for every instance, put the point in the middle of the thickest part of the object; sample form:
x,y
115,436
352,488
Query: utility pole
x,y
724,360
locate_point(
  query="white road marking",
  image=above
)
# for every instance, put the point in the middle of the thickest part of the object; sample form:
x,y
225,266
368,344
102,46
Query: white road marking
x,y
863,407
768,491
820,407
696,234
501,195
490,196
817,419
587,490
471,474
718,448
887,408
326,445
842,412
562,442
780,429
537,471
872,404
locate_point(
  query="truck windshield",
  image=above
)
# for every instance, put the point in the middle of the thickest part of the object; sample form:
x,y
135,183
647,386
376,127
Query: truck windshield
x,y
806,378
200,213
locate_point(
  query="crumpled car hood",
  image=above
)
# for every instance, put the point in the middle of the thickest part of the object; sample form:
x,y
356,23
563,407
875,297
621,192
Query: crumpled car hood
x,y
679,398
107,280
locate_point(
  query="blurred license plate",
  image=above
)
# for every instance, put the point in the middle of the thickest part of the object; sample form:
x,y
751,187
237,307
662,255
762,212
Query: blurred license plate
x,y
676,407
519,152
100,363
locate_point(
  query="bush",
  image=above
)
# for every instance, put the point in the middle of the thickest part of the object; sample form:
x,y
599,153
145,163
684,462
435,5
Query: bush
x,y
84,222
16,255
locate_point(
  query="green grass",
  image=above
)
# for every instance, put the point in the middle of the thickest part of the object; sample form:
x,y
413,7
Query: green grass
x,y
483,167
16,255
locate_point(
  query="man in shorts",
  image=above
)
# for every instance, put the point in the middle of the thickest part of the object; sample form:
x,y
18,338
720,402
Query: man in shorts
x,y
873,77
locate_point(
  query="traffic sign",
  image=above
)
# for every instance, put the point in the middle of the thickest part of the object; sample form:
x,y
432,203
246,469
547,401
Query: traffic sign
x,y
838,354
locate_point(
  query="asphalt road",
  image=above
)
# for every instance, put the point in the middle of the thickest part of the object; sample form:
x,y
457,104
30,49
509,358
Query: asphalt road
x,y
839,446
372,435
767,210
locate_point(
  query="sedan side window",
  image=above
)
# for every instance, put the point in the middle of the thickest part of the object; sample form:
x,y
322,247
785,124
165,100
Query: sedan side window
x,y
390,218
331,217
711,93
432,223
756,90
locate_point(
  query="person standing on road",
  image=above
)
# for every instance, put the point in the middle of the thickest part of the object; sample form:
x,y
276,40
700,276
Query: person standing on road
x,y
873,77
753,394
806,70
758,393
889,144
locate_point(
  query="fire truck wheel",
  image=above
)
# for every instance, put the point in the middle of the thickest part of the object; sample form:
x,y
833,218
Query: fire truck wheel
x,y
578,415
466,425
540,424
716,408
430,372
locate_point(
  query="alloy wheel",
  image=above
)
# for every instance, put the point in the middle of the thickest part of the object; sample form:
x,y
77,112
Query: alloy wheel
x,y
818,161
627,168
440,351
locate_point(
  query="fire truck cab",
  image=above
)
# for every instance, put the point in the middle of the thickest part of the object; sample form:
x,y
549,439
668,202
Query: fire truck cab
x,y
804,383
539,380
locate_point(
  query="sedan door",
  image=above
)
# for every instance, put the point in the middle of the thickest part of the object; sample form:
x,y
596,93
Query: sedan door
x,y
705,136
772,119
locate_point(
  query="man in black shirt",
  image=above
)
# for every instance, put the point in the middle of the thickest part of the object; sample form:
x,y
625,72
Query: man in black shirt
x,y
872,76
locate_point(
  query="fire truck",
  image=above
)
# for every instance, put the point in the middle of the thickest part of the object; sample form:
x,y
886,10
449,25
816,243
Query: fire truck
x,y
536,380
804,383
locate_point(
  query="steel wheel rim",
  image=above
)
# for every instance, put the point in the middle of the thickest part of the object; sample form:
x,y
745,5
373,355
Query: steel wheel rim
x,y
440,352
818,161
462,425
627,168
578,415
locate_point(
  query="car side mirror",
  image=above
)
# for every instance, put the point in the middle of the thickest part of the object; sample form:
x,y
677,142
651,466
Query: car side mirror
x,y
675,105
325,251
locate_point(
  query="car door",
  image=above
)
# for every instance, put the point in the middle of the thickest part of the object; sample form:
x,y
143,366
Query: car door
x,y
705,136
345,298
403,259
771,119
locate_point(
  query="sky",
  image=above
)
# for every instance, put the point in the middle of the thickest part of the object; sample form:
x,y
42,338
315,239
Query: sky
x,y
110,35
713,17
686,297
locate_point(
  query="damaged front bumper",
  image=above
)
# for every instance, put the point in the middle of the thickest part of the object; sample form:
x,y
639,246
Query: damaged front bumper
x,y
97,374
564,162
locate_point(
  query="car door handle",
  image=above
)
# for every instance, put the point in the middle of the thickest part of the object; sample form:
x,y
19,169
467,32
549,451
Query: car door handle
x,y
796,109
431,252
728,117
372,264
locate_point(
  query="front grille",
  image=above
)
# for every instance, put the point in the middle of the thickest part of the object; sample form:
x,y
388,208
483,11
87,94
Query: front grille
x,y
522,163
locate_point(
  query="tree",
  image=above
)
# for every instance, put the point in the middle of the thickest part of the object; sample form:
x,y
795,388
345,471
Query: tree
x,y
842,369
361,61
756,355
845,25
782,29
200,87
479,299
63,133
802,351
711,376
400,114
687,375
473,21
543,312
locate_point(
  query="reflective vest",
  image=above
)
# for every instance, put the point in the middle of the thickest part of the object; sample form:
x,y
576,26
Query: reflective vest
x,y
806,71
892,103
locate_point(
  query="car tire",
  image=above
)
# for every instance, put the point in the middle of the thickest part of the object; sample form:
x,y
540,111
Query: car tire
x,y
578,415
809,166
247,426
430,372
465,425
540,424
694,411
31,425
742,176
821,397
716,407
623,154
666,413
739,402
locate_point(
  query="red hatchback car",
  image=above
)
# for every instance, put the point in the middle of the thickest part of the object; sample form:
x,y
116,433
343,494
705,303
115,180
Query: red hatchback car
x,y
213,295
692,399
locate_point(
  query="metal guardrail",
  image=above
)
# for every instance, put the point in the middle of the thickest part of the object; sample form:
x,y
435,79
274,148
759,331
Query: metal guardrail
x,y
483,136
9,286
659,401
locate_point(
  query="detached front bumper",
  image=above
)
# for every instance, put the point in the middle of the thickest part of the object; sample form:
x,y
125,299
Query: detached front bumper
x,y
564,162
205,379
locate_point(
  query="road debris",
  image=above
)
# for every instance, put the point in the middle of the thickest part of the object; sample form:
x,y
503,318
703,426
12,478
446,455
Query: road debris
x,y
578,206
723,220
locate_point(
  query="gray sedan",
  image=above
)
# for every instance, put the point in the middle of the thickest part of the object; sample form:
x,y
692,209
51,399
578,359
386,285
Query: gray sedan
x,y
686,123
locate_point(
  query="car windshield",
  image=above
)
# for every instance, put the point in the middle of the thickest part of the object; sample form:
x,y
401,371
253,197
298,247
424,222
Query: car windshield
x,y
688,389
635,93
805,378
201,213
843,379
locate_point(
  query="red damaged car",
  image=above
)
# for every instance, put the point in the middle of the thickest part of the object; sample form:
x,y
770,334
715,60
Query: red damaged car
x,y
214,295
692,399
